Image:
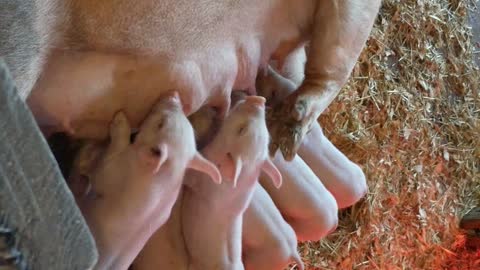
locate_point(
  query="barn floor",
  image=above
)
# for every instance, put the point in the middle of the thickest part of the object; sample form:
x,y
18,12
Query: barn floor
x,y
410,116
474,19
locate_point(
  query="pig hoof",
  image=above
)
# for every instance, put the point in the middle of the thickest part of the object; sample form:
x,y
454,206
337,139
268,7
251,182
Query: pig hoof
x,y
288,123
285,135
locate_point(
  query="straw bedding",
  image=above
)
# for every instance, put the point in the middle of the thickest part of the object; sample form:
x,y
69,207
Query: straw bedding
x,y
410,115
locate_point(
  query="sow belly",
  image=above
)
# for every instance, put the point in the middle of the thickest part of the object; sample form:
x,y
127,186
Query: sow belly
x,y
79,92
123,55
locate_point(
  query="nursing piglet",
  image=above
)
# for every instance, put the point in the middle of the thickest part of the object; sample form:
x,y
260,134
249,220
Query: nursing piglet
x,y
269,242
166,248
212,214
135,185
343,178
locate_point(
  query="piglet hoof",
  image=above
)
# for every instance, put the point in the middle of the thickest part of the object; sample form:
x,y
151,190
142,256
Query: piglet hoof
x,y
288,123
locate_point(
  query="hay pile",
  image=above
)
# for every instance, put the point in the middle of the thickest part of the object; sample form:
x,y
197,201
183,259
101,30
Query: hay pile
x,y
410,116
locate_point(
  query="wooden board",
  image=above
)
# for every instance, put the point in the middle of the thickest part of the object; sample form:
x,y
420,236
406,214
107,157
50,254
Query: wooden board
x,y
35,203
474,18
471,220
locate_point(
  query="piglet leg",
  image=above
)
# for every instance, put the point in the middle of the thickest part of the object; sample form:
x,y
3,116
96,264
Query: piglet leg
x,y
166,248
269,242
340,31
303,200
343,178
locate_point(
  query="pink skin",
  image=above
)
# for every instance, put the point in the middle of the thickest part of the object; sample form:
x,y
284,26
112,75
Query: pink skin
x,y
269,242
123,56
304,202
137,184
166,248
212,214
293,67
343,178
206,123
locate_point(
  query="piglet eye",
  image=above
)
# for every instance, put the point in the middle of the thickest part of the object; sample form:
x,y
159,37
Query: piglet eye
x,y
156,151
242,130
161,124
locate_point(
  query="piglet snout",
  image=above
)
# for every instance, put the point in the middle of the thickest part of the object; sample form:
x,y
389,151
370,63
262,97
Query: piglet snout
x,y
256,100
173,96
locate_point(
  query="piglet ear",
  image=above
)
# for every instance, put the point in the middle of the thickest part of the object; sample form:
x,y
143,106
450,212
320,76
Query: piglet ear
x,y
79,185
230,168
271,170
201,164
154,156
237,170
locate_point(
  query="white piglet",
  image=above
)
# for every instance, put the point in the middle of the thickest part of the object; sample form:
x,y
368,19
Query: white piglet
x,y
212,214
166,248
138,183
304,202
269,242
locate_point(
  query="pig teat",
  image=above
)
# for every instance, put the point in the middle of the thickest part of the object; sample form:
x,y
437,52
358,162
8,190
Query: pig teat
x,y
256,100
171,100
173,96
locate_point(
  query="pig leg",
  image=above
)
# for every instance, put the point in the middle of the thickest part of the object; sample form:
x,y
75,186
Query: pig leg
x,y
304,202
343,178
340,31
98,210
293,67
166,248
269,242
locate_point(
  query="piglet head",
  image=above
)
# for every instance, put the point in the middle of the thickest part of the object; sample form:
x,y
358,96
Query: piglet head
x,y
153,156
244,134
231,167
166,136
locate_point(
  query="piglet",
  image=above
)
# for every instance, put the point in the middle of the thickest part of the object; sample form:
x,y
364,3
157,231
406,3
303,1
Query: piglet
x,y
343,178
135,185
166,248
212,214
304,202
269,242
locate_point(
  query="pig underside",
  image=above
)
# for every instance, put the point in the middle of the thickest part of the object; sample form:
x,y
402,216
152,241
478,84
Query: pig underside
x,y
213,213
203,50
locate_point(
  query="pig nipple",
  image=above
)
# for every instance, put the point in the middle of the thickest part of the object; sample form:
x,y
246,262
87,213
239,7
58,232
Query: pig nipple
x,y
256,101
171,97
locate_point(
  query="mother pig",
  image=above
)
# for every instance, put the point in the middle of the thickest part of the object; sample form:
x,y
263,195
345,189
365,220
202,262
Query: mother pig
x,y
124,54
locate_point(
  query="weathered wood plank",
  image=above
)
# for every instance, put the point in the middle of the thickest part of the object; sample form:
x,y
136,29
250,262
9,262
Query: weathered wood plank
x,y
471,220
474,18
34,199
